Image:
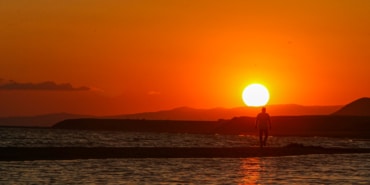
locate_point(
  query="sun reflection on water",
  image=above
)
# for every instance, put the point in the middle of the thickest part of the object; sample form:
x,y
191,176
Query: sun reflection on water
x,y
251,171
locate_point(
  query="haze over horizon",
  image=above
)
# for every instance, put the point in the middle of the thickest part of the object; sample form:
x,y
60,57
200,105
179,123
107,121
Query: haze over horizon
x,y
119,57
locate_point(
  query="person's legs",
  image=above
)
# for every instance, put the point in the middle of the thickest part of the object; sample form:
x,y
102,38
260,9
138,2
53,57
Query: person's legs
x,y
261,134
266,136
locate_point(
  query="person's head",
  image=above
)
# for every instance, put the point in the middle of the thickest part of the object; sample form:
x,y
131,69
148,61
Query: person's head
x,y
263,109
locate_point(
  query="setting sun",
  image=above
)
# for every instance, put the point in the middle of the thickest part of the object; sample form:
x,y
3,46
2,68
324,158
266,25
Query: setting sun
x,y
255,95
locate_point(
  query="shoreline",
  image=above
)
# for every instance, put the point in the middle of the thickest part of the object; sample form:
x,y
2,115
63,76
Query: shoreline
x,y
72,153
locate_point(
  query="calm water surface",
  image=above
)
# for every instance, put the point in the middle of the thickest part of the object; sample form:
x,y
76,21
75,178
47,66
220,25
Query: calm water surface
x,y
20,137
308,169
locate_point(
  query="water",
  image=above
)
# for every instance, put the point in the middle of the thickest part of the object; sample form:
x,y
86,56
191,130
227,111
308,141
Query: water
x,y
308,169
20,137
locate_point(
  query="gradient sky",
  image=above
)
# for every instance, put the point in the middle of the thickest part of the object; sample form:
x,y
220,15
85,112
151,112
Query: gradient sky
x,y
145,55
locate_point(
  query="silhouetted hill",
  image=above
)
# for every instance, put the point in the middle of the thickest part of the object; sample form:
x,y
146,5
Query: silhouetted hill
x,y
187,113
181,113
360,107
37,121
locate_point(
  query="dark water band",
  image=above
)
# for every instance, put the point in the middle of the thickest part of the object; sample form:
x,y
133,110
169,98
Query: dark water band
x,y
69,153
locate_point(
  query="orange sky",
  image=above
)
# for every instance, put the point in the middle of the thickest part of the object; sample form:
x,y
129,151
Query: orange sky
x,y
150,55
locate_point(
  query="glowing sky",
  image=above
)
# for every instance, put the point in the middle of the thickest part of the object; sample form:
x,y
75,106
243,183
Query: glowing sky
x,y
148,55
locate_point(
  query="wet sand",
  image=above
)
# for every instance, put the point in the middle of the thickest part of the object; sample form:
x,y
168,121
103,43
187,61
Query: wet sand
x,y
69,153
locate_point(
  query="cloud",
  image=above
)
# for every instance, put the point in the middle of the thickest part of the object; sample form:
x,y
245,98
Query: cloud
x,y
45,86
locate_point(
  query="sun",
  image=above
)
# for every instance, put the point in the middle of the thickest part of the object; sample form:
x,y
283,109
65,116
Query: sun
x,y
255,95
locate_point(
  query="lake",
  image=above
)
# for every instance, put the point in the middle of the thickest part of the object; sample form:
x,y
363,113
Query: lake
x,y
306,169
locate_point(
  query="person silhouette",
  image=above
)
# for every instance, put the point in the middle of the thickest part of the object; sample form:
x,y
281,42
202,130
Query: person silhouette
x,y
263,122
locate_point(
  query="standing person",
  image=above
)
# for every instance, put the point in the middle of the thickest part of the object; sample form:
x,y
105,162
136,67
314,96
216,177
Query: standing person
x,y
263,122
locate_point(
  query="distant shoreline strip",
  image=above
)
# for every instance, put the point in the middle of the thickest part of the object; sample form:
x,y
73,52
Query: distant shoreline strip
x,y
70,153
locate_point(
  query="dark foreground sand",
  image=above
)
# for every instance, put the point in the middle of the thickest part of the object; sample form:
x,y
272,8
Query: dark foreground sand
x,y
67,153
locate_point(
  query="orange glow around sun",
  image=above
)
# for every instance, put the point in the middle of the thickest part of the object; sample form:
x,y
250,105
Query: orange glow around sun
x,y
140,56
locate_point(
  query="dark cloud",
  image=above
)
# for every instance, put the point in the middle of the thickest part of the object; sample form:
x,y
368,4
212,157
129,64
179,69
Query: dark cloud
x,y
47,86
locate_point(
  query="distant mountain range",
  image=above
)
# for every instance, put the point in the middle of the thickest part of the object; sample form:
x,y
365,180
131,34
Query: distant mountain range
x,y
39,121
360,107
187,113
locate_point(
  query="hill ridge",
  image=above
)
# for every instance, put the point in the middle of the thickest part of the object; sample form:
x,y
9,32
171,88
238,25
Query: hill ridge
x,y
359,107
